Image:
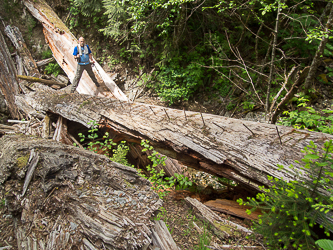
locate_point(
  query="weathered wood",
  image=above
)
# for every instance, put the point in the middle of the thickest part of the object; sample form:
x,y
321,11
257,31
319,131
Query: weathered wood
x,y
232,208
44,81
32,163
2,126
8,82
162,237
62,42
222,228
101,198
16,38
224,147
45,62
46,127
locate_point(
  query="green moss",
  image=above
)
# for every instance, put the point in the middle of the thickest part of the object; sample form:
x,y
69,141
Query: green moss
x,y
84,103
225,228
22,161
128,184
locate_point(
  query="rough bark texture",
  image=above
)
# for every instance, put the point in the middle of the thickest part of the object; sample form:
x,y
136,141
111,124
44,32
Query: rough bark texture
x,y
47,82
62,43
222,228
8,82
243,151
30,66
73,197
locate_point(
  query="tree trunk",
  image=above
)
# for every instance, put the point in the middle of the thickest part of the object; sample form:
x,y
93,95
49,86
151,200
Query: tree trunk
x,y
8,82
271,71
243,151
62,43
73,197
319,52
16,38
44,81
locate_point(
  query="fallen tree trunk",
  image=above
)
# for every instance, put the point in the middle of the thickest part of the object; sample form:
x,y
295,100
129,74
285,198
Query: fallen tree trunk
x,y
47,82
62,42
16,38
8,82
242,151
73,197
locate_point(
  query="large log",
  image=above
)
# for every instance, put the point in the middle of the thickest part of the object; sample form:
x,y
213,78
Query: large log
x,y
8,82
16,38
47,82
73,197
243,151
62,43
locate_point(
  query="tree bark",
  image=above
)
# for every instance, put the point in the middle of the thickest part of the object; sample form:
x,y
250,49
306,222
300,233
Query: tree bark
x,y
47,82
73,197
243,151
8,82
62,42
16,38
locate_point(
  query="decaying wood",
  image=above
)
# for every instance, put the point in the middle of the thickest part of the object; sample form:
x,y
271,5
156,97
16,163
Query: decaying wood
x,y
45,62
8,82
60,133
32,163
162,238
232,208
62,42
223,147
47,82
222,228
75,198
16,38
46,127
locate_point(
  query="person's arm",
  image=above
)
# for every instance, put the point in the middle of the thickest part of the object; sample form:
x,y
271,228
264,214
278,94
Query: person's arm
x,y
91,59
75,53
90,55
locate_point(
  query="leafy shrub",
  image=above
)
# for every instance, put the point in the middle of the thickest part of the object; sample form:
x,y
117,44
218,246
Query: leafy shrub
x,y
308,119
95,145
47,54
179,82
290,209
53,68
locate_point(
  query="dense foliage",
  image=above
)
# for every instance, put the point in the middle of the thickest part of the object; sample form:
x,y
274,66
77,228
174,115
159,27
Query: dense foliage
x,y
209,46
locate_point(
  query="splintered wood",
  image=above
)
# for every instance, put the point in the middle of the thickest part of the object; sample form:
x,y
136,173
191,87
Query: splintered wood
x,y
223,146
74,197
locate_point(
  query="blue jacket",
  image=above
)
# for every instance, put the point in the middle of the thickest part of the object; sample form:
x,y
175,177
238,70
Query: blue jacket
x,y
84,57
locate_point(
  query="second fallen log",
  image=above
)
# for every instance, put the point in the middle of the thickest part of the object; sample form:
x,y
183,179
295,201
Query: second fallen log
x,y
47,82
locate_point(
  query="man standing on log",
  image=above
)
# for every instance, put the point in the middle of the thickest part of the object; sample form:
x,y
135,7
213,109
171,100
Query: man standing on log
x,y
82,54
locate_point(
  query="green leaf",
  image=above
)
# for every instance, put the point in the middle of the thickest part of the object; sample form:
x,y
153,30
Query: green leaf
x,y
325,244
311,157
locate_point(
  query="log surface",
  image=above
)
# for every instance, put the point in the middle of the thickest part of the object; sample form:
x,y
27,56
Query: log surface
x,y
223,146
73,197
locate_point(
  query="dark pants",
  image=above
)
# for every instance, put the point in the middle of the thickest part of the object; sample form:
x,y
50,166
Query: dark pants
x,y
78,74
